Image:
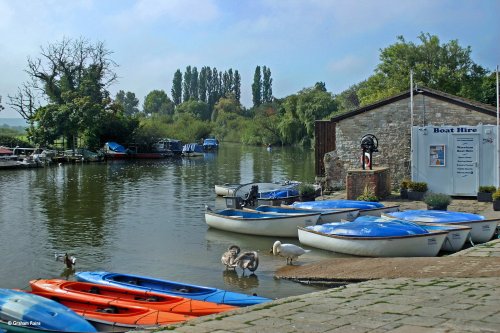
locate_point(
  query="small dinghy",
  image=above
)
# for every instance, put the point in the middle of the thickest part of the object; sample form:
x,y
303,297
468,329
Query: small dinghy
x,y
455,240
129,297
374,239
326,215
200,293
482,229
33,313
258,223
364,207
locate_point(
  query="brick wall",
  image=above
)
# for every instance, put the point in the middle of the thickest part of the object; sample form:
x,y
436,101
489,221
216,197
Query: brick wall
x,y
377,181
390,123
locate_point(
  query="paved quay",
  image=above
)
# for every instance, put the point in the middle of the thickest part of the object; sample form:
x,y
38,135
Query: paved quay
x,y
457,293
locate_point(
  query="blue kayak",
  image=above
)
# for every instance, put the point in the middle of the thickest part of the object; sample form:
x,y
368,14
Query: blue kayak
x,y
370,228
38,313
338,204
435,216
200,293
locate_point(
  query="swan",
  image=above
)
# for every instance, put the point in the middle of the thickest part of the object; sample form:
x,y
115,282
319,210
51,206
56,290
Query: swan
x,y
290,251
229,257
248,260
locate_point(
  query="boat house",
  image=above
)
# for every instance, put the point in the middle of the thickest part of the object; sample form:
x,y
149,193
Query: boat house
x,y
337,145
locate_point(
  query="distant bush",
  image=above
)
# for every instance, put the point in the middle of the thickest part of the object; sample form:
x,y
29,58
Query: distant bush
x,y
10,141
496,195
487,189
367,195
437,199
418,186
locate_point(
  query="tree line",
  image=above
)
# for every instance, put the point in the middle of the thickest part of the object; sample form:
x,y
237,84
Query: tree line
x,y
72,78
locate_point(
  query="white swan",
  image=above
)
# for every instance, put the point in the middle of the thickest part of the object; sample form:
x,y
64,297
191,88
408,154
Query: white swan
x,y
229,257
248,260
290,251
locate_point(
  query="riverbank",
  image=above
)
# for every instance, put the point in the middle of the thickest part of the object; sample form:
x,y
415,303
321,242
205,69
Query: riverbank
x,y
458,293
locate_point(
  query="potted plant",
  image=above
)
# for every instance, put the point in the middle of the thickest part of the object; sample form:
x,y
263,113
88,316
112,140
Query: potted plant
x,y
403,188
417,190
367,195
307,192
437,201
496,200
485,193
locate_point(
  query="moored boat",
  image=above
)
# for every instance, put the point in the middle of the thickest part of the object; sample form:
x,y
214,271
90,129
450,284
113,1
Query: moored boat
x,y
482,229
129,297
192,150
210,144
374,239
200,293
111,317
32,313
257,223
455,239
365,207
326,215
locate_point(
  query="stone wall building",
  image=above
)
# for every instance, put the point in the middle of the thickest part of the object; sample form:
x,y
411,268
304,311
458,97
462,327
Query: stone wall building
x,y
390,121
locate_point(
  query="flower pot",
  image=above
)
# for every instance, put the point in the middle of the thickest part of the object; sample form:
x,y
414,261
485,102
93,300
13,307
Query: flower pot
x,y
484,196
444,207
403,193
415,196
496,205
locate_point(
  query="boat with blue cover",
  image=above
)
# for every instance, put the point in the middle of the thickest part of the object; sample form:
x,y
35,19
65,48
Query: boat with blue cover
x,y
374,239
31,313
455,240
200,293
482,229
326,215
210,144
365,207
259,223
192,150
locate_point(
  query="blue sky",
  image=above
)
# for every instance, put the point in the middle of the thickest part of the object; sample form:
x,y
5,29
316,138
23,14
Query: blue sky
x,y
301,41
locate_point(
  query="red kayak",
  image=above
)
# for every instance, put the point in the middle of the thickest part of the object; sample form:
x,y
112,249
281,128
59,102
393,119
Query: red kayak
x,y
111,315
128,297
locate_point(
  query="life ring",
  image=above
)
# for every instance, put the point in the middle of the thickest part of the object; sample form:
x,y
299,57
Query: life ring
x,y
368,162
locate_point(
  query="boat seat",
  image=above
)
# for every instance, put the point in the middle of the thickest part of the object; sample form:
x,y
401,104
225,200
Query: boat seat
x,y
111,309
94,290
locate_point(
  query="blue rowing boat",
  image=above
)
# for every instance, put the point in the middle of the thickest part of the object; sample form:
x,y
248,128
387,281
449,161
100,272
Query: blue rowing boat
x,y
365,207
482,229
326,215
24,312
200,293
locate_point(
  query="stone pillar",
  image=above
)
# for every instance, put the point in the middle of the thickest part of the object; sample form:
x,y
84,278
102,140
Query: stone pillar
x,y
378,180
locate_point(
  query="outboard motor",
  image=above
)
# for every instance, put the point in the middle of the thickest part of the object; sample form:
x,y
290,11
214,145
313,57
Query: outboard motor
x,y
369,144
251,197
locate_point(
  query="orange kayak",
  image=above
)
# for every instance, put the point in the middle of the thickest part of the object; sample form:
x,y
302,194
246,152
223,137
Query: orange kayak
x,y
129,297
109,315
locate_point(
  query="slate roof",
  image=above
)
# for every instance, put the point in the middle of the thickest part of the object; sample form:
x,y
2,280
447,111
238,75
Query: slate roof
x,y
461,101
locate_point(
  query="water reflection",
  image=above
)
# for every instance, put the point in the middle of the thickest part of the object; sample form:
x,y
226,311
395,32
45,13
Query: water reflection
x,y
244,282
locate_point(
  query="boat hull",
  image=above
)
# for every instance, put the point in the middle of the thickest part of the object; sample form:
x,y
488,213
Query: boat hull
x,y
456,237
128,297
427,245
201,293
328,216
267,225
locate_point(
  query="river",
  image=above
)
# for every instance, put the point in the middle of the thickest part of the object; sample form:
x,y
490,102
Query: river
x,y
142,217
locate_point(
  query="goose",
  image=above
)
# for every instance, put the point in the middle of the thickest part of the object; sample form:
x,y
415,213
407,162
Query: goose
x,y
69,261
248,260
290,251
229,257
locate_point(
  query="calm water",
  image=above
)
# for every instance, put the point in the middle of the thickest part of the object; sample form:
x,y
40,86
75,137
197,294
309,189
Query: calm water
x,y
141,217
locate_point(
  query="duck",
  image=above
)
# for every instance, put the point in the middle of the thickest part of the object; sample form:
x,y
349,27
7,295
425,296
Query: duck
x,y
248,260
229,257
69,261
290,251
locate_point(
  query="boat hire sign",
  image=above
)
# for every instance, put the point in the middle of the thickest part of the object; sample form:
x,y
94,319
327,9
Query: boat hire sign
x,y
454,160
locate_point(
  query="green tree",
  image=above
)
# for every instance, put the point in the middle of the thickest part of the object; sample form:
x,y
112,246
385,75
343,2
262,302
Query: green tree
x,y
267,85
202,83
447,67
128,101
257,87
186,85
73,75
197,109
177,87
227,105
157,102
193,86
237,85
